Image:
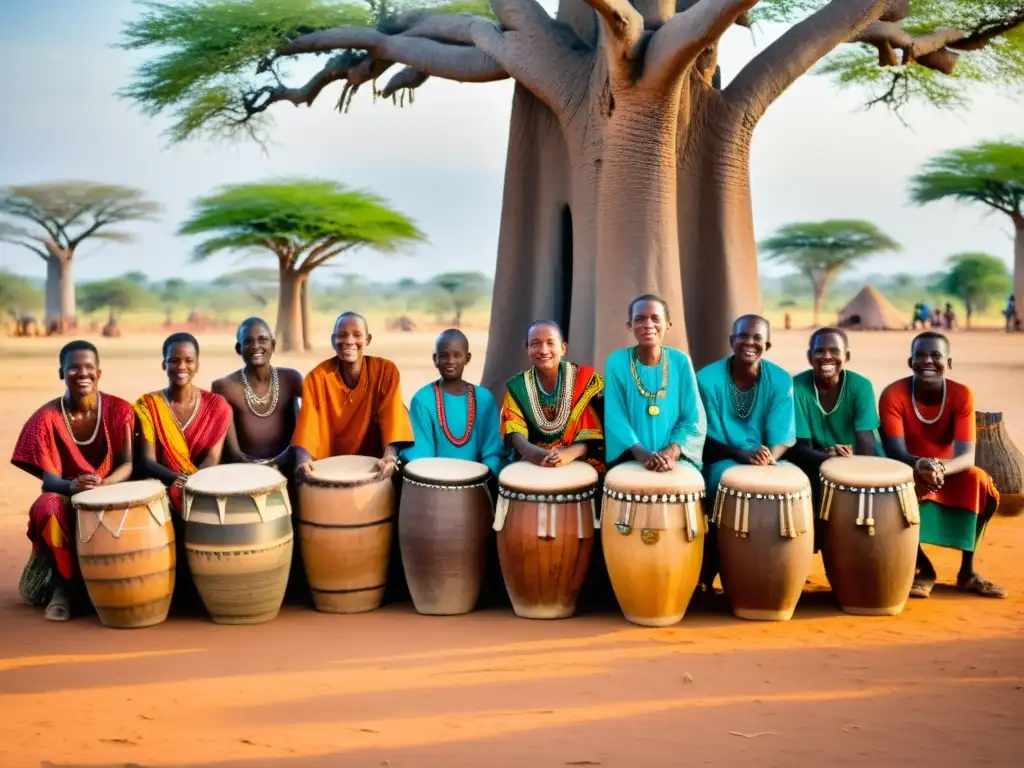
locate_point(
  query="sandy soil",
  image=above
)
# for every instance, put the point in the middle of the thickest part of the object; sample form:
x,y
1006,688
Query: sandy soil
x,y
943,684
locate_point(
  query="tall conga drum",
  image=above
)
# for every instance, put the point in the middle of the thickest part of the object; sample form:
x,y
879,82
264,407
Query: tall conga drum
x,y
126,552
873,522
444,520
238,540
765,520
346,519
545,520
653,539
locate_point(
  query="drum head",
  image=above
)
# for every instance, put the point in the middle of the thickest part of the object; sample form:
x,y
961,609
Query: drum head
x,y
634,478
773,478
446,471
866,471
344,470
119,495
527,477
235,480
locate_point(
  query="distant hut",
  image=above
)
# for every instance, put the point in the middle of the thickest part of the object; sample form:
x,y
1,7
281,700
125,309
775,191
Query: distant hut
x,y
869,310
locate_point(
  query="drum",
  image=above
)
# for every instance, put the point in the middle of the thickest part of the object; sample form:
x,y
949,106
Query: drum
x,y
545,520
444,520
765,520
126,552
238,540
653,540
873,522
346,518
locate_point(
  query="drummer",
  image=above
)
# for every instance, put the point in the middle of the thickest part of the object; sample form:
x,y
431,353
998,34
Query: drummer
x,y
79,441
263,398
749,406
182,427
451,418
352,404
653,412
928,423
548,416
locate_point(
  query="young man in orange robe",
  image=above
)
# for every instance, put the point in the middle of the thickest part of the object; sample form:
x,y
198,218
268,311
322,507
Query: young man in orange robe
x,y
352,404
928,423
79,441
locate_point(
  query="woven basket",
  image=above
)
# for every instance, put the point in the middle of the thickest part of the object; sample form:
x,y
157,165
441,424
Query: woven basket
x,y
998,456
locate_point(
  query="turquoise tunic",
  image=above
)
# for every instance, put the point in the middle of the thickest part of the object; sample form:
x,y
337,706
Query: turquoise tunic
x,y
484,444
771,420
681,418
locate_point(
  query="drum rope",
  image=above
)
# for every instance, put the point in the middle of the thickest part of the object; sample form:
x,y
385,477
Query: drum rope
x,y
500,513
594,515
579,519
746,516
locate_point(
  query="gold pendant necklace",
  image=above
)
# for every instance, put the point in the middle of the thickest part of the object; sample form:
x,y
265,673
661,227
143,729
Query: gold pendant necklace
x,y
652,409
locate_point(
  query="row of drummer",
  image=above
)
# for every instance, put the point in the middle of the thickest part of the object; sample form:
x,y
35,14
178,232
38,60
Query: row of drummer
x,y
654,409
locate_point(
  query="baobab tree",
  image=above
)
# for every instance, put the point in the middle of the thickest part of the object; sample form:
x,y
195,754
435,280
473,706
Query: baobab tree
x,y
53,219
304,224
628,167
991,174
821,250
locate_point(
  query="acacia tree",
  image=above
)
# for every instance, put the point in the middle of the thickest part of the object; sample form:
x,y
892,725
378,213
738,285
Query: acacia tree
x,y
52,220
819,251
990,173
304,224
117,294
977,279
627,166
462,290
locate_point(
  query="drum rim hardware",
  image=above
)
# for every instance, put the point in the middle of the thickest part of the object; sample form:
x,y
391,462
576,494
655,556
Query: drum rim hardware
x,y
789,528
162,519
865,513
546,526
467,485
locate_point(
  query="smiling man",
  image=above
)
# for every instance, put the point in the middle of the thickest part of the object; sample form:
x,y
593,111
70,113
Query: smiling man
x,y
181,428
264,399
750,418
352,404
79,441
928,422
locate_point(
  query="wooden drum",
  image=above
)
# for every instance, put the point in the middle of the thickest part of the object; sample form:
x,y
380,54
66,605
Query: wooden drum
x,y
238,540
653,540
545,520
765,520
346,518
443,523
870,508
126,552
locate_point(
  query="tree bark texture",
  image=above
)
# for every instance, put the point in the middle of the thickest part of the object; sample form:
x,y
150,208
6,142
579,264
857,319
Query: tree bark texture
x,y
306,343
289,329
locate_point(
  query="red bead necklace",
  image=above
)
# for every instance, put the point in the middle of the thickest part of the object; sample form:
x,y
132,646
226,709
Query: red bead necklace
x,y
470,419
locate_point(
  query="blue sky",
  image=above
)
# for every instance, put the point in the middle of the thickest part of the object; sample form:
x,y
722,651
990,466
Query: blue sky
x,y
816,154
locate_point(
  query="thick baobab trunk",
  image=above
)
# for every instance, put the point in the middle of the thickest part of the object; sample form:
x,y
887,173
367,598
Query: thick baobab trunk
x,y
1018,264
52,306
304,290
289,312
66,294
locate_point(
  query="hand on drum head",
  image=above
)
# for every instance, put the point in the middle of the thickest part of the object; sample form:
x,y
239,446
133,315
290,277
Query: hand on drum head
x,y
386,467
179,481
304,470
659,462
85,482
760,457
556,457
842,450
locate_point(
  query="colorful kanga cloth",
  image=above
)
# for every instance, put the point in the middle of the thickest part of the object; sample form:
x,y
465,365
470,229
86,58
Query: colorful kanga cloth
x,y
854,412
182,450
680,416
545,419
770,421
430,417
949,516
46,445
337,421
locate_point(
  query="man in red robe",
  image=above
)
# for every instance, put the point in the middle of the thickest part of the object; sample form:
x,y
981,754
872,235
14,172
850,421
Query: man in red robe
x,y
77,442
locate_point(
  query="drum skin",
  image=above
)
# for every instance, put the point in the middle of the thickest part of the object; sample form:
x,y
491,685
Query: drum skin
x,y
345,530
543,577
763,574
239,562
443,532
127,556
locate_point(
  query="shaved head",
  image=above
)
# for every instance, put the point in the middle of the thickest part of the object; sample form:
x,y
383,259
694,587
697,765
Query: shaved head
x,y
451,336
351,316
248,323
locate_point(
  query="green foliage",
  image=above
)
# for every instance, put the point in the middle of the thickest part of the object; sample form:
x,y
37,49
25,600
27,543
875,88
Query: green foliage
x,y
826,247
173,291
991,173
301,214
456,292
212,60
120,293
18,294
977,279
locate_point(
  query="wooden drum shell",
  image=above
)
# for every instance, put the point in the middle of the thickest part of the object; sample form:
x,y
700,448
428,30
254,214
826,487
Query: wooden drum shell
x,y
345,533
126,555
442,534
763,571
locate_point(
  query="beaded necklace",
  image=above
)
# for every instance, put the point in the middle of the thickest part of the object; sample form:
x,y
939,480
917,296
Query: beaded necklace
x,y
913,398
634,359
743,400
96,429
470,418
562,399
254,401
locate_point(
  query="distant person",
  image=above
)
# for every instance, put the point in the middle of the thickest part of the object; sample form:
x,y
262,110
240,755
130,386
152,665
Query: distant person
x,y
950,317
1012,321
264,399
937,318
79,441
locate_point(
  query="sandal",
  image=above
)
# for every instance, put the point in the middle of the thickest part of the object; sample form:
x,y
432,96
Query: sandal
x,y
922,587
58,610
982,587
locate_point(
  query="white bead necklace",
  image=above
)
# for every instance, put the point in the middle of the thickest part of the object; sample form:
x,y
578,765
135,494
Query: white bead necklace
x,y
252,400
839,400
95,430
913,398
195,408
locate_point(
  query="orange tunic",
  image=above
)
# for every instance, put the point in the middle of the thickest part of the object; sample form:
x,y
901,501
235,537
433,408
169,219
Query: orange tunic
x,y
337,421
